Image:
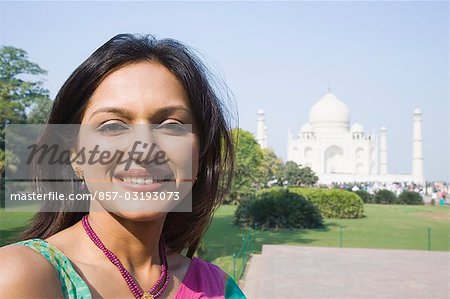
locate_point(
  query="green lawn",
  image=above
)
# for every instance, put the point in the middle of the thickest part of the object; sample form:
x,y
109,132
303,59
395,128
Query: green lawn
x,y
11,223
385,226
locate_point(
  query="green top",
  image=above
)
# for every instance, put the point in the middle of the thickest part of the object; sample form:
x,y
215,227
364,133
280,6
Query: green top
x,y
74,287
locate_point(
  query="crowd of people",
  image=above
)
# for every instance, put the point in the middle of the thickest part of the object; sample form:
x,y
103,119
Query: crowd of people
x,y
436,191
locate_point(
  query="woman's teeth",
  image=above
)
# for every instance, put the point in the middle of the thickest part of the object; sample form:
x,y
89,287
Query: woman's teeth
x,y
139,180
147,180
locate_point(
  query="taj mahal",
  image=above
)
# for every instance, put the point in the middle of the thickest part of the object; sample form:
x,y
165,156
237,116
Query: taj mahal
x,y
338,152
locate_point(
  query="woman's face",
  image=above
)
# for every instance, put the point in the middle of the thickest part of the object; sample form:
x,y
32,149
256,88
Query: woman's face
x,y
139,118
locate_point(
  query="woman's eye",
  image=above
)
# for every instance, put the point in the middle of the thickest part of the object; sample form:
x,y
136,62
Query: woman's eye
x,y
112,129
172,128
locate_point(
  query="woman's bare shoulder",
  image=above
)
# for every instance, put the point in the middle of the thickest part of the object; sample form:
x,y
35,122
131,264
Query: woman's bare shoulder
x,y
178,264
26,273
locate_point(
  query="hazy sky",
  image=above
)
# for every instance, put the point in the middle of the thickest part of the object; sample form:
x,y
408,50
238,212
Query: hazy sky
x,y
383,59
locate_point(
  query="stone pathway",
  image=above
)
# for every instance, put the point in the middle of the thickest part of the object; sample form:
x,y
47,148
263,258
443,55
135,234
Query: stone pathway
x,y
323,272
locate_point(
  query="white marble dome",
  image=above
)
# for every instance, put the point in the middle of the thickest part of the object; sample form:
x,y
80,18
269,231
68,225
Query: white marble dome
x,y
357,128
329,111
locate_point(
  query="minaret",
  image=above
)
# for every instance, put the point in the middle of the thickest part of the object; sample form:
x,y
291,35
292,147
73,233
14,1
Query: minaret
x,y
261,129
417,157
374,159
383,151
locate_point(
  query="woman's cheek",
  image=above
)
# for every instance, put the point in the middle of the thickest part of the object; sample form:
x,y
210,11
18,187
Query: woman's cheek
x,y
102,156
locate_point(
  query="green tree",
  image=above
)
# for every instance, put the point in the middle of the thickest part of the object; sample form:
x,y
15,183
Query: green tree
x,y
23,99
299,176
292,173
272,166
248,174
307,177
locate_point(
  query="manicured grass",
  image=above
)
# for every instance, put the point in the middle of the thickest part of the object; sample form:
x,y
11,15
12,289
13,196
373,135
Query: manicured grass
x,y
11,223
385,226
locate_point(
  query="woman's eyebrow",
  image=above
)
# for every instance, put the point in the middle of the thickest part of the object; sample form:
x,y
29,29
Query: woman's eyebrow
x,y
115,110
166,110
159,111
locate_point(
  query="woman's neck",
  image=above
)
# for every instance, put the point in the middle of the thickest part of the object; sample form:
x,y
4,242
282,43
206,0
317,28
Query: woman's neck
x,y
135,243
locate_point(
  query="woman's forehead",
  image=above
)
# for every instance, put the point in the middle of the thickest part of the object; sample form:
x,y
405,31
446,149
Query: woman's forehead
x,y
139,87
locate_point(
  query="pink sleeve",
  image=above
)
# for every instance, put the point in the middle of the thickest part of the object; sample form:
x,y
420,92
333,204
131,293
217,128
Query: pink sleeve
x,y
203,280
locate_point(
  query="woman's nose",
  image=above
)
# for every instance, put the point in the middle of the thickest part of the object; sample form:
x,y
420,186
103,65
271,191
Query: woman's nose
x,y
144,146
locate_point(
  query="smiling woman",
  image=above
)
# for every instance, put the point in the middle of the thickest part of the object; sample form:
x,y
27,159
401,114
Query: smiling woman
x,y
152,101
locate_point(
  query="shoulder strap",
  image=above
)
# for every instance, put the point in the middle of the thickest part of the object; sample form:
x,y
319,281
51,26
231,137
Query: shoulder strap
x,y
232,290
72,285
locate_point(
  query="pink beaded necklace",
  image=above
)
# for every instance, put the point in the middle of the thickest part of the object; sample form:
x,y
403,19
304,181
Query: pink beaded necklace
x,y
163,280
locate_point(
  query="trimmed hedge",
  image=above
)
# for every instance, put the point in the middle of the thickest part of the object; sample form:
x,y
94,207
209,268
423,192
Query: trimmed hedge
x,y
410,198
334,203
365,196
384,196
277,208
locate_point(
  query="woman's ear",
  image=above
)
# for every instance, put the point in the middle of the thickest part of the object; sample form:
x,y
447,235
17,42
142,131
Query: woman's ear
x,y
75,163
79,173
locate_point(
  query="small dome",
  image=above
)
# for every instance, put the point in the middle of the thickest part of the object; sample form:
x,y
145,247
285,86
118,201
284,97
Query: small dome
x,y
306,128
357,128
383,129
260,111
417,111
329,112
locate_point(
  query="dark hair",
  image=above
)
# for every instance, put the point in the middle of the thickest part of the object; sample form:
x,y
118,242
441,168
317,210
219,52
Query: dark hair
x,y
181,230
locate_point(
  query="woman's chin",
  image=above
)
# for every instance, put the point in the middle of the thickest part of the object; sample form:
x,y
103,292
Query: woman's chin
x,y
140,215
137,211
